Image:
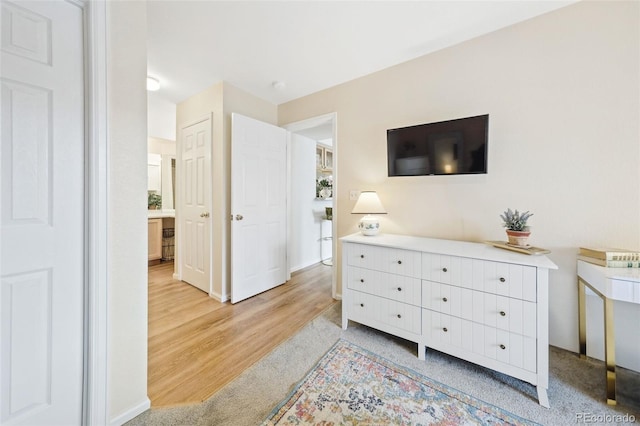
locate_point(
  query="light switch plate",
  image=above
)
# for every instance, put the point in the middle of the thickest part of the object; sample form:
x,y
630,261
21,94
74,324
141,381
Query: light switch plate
x,y
353,194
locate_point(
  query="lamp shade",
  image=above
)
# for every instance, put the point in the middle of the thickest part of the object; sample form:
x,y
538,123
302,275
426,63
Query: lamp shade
x,y
368,203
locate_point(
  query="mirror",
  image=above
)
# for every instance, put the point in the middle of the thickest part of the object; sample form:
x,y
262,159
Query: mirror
x,y
168,182
161,172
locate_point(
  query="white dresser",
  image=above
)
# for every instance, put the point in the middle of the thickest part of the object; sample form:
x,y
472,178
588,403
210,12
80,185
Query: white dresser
x,y
473,301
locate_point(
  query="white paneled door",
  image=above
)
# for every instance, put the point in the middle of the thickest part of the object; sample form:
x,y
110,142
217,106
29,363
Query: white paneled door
x,y
42,213
258,207
195,205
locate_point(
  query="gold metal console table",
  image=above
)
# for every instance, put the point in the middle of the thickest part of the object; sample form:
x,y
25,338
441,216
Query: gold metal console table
x,y
609,284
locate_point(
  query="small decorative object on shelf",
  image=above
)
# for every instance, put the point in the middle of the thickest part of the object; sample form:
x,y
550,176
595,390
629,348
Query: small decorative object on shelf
x,y
329,213
517,229
154,201
324,187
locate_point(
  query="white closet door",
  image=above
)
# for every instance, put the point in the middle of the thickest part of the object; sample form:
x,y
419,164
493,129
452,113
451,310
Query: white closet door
x,y
42,213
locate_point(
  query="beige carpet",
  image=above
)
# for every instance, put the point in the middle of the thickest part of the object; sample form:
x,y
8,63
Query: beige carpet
x,y
576,391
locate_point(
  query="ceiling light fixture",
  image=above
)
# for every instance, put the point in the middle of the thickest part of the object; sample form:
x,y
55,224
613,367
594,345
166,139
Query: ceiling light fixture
x,y
278,85
153,84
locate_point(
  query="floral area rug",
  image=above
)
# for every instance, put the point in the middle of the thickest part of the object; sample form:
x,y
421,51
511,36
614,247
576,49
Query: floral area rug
x,y
351,386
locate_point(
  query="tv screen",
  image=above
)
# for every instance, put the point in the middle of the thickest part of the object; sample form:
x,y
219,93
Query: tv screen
x,y
444,148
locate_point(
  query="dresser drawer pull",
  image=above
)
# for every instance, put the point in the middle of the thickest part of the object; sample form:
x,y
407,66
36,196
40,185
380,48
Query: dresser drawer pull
x,y
502,279
362,305
362,256
399,316
503,313
444,299
503,347
399,288
399,262
361,280
445,329
444,269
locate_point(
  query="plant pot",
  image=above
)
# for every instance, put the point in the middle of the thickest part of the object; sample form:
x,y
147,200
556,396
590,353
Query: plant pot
x,y
325,192
518,238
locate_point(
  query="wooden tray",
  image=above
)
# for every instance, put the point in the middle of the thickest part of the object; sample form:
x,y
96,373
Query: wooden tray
x,y
528,250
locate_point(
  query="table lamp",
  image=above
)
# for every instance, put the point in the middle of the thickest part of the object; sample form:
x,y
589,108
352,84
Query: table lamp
x,y
369,204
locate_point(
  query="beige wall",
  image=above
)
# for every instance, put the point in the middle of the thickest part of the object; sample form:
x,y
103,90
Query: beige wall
x,y
222,99
562,91
127,223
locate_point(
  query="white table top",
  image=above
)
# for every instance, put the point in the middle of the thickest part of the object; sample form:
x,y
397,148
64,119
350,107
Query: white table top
x,y
614,283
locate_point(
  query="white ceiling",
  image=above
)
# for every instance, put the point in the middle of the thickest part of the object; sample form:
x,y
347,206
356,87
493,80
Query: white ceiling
x,y
308,45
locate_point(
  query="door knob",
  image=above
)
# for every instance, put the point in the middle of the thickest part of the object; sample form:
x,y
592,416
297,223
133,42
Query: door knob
x,y
206,214
239,217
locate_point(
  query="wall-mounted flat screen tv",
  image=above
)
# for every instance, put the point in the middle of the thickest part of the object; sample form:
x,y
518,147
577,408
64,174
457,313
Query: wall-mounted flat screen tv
x,y
444,148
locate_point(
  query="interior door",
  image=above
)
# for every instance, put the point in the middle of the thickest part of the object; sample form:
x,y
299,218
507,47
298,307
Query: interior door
x,y
195,205
41,213
258,206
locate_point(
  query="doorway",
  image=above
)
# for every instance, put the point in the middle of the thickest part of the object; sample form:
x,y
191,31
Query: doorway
x,y
323,130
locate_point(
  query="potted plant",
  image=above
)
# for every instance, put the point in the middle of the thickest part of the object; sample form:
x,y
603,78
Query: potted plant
x,y
324,186
154,201
517,229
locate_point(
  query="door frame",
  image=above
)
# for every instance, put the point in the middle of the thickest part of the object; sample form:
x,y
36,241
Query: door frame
x,y
95,386
307,124
178,201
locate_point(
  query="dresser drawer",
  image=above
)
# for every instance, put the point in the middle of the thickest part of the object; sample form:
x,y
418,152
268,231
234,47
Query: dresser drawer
x,y
509,348
395,287
445,331
385,259
369,309
517,281
509,314
448,299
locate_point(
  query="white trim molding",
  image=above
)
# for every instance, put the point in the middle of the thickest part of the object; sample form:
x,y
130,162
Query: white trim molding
x,y
95,404
130,414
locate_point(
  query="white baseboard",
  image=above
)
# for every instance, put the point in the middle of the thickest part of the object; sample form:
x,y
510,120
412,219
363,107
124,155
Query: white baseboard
x,y
130,414
218,296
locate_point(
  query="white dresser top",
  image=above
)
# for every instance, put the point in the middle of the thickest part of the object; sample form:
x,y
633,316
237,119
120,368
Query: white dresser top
x,y
452,248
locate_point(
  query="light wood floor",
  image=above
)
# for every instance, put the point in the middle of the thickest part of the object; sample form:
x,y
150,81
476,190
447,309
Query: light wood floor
x,y
197,344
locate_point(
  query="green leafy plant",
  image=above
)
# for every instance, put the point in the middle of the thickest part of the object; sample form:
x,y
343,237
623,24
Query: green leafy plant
x,y
154,200
515,221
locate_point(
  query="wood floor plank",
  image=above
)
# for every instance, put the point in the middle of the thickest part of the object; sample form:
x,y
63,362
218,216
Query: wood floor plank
x,y
197,345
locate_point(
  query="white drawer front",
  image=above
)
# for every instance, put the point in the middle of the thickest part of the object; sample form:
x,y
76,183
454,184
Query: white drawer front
x,y
447,299
508,348
447,269
366,308
440,328
364,280
515,281
395,287
506,279
403,316
363,307
395,261
513,315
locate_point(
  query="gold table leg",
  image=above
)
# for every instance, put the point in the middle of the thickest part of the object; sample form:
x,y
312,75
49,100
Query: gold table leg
x,y
582,320
610,351
609,336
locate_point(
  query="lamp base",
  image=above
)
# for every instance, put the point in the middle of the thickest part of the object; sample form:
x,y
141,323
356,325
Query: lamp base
x,y
369,225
